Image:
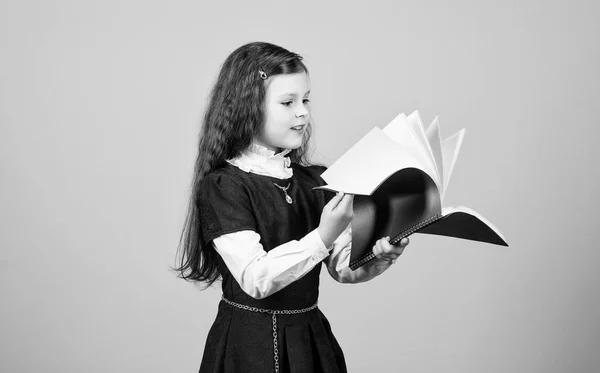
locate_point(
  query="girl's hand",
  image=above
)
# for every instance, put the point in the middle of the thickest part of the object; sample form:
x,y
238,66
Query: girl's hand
x,y
336,216
385,251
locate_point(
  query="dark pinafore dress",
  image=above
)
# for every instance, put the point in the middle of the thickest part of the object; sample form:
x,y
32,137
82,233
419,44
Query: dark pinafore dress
x,y
242,340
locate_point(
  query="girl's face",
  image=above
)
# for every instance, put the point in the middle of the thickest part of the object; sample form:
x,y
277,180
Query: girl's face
x,y
287,112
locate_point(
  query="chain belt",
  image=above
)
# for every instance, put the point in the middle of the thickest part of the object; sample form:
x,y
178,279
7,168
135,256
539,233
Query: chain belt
x,y
274,314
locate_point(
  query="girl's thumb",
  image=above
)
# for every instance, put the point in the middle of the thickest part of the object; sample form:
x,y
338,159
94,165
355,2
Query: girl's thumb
x,y
336,199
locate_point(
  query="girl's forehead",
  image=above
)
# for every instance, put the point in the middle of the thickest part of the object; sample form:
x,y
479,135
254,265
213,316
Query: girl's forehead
x,y
292,84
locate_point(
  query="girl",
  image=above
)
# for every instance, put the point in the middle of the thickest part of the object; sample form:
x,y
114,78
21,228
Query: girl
x,y
255,222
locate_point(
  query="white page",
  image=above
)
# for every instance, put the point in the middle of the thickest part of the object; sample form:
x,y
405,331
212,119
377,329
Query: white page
x,y
450,150
402,132
452,209
414,119
368,164
434,138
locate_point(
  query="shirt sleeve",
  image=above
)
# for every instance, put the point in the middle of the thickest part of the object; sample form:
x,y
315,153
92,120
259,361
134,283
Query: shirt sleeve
x,y
262,273
338,262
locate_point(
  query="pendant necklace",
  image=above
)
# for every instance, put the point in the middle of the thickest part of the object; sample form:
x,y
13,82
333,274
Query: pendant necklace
x,y
287,197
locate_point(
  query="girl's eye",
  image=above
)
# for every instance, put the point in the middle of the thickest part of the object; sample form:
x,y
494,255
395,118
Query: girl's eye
x,y
289,103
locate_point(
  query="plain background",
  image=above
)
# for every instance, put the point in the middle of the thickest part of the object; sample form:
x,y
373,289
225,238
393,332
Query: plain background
x,y
100,107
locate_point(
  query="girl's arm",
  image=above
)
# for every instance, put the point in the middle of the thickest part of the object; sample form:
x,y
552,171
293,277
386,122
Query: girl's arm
x,y
262,273
339,259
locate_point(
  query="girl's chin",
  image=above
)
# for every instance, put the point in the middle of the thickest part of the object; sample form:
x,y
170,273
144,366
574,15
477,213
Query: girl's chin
x,y
293,145
288,143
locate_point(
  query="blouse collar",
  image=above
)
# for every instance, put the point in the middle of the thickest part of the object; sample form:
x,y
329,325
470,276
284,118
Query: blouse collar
x,y
263,161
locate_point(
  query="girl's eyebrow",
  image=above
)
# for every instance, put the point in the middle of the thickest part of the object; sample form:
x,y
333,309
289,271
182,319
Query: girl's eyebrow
x,y
293,94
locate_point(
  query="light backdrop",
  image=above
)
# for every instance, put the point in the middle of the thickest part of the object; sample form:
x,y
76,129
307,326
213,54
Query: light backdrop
x,y
100,104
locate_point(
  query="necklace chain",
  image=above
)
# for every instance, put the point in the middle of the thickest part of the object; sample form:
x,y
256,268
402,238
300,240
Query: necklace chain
x,y
288,199
282,188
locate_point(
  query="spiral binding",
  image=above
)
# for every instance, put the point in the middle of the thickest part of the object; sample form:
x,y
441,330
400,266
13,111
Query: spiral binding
x,y
370,255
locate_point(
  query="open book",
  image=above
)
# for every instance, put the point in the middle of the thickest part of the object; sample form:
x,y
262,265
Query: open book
x,y
399,176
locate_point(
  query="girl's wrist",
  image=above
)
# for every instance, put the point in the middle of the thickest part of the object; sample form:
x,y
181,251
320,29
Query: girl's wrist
x,y
327,241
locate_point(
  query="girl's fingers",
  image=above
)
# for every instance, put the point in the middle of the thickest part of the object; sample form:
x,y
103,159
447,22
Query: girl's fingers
x,y
346,202
377,249
384,250
403,242
332,204
385,244
381,250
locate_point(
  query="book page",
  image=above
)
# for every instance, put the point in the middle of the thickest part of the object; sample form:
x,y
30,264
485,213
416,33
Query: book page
x,y
450,150
368,163
414,119
434,138
463,222
453,209
403,133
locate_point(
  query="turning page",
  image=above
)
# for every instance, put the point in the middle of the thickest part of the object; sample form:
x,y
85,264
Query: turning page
x,y
450,150
434,138
410,141
414,119
368,164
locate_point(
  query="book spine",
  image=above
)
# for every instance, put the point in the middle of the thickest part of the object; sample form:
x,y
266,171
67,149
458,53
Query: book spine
x,y
396,239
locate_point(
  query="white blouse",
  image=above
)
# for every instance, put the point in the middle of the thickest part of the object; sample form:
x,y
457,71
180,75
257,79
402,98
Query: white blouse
x,y
262,273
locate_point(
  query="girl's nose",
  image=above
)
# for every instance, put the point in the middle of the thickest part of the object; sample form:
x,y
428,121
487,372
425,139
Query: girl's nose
x,y
302,112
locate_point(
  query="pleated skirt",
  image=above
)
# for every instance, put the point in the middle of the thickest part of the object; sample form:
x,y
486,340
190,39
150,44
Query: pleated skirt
x,y
242,341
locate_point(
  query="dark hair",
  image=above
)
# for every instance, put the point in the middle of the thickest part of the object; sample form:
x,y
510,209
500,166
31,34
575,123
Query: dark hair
x,y
235,114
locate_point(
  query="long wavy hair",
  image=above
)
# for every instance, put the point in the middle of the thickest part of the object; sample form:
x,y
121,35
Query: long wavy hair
x,y
233,117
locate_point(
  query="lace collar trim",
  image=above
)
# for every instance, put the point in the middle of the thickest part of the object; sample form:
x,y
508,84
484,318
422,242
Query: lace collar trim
x,y
263,161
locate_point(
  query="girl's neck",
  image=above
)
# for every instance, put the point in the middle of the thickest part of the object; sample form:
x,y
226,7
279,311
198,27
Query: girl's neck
x,y
258,143
260,149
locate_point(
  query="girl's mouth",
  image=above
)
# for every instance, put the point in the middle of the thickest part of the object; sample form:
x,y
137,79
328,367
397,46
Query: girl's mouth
x,y
298,128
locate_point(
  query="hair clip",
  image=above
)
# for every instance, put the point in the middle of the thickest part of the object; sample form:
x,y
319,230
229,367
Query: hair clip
x,y
262,74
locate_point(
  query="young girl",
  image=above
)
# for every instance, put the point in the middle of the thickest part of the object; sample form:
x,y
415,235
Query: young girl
x,y
255,222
